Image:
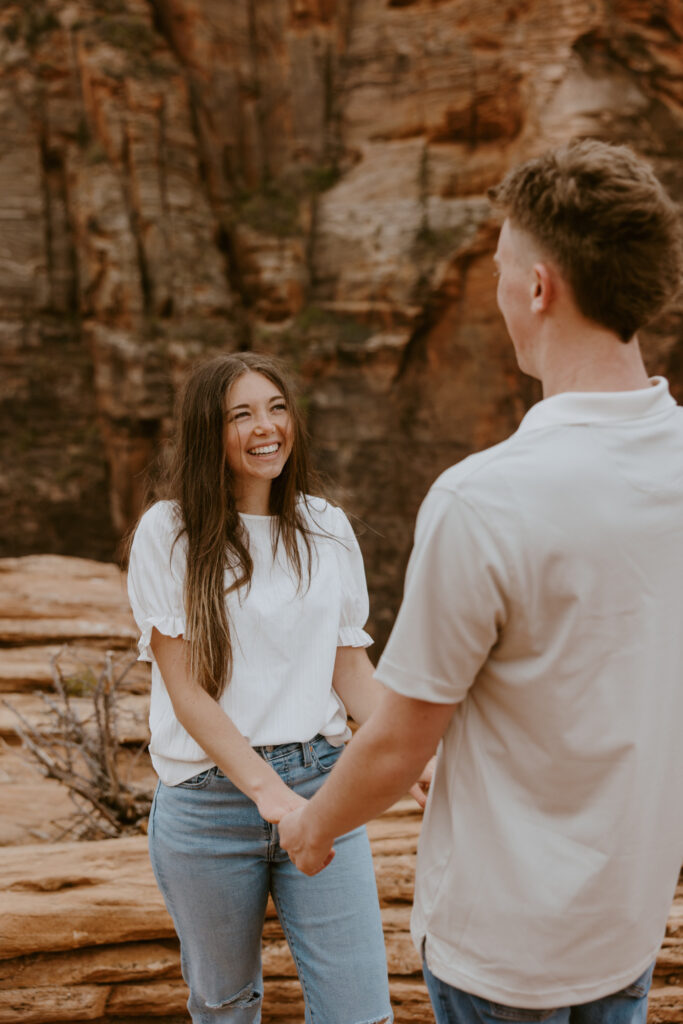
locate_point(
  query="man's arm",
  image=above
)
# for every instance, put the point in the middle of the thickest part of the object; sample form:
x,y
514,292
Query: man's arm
x,y
453,609
355,682
385,758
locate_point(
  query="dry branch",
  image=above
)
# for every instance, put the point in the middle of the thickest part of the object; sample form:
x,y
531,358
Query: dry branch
x,y
82,751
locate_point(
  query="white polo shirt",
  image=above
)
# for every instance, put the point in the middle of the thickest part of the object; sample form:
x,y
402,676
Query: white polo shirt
x,y
545,592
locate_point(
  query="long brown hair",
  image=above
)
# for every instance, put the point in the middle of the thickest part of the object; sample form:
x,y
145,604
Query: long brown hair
x,y
200,482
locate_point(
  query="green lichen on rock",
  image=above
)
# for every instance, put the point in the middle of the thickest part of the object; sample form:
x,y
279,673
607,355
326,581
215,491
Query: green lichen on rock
x,y
316,333
144,50
275,207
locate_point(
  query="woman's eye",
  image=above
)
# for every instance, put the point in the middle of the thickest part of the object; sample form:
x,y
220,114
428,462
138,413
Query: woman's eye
x,y
280,407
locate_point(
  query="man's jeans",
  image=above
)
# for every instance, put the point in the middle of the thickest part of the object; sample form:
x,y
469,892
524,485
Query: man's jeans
x,y
452,1006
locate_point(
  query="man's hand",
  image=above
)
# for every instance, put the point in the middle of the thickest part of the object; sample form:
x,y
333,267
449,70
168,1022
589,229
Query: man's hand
x,y
308,853
421,788
374,771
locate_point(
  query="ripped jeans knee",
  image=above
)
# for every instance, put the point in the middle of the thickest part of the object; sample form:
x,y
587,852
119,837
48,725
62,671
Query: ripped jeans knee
x,y
243,1007
216,864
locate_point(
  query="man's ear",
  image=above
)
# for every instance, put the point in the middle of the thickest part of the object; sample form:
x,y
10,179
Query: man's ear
x,y
542,288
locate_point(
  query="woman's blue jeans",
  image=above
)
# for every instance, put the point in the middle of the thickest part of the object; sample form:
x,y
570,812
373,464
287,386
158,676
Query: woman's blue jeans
x,y
453,1006
216,860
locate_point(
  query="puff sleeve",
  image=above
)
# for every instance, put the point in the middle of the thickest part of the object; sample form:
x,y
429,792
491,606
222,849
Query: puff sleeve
x,y
355,605
156,575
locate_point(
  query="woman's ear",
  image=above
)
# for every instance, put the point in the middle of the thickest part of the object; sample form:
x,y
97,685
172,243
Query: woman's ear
x,y
542,289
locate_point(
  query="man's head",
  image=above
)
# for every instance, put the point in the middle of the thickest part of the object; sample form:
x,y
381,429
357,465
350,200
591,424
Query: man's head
x,y
600,215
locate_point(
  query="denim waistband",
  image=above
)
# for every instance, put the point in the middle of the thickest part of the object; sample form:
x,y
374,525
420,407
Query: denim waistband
x,y
277,751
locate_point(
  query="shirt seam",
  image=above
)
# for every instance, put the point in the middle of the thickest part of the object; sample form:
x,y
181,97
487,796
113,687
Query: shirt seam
x,y
611,421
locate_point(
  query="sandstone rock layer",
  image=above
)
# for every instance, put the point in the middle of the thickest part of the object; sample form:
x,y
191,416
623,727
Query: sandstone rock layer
x,y
86,937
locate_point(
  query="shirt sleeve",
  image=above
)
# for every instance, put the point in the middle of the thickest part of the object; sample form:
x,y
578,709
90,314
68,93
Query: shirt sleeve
x,y
453,606
156,574
355,605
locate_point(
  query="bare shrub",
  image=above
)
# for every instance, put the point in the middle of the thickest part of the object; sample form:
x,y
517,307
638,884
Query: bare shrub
x,y
79,744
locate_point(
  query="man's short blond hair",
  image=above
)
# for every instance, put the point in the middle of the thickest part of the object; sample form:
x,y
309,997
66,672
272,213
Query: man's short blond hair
x,y
601,215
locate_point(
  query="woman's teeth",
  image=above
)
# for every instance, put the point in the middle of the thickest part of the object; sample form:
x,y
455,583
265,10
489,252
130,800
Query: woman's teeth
x,y
266,449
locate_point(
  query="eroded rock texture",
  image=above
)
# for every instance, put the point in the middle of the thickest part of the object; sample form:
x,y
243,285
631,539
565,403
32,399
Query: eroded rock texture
x,y
88,937
85,934
302,176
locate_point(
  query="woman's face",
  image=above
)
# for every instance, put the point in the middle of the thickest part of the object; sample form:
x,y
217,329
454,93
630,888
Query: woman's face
x,y
258,432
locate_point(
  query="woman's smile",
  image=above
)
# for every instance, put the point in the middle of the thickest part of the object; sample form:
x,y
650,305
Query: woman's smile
x,y
257,438
263,450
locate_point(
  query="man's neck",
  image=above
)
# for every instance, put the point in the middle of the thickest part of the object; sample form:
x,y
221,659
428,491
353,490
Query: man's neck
x,y
591,359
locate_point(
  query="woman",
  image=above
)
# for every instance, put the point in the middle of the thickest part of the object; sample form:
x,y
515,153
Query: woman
x,y
251,600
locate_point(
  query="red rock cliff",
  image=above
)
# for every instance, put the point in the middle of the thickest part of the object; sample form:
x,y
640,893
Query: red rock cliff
x,y
302,176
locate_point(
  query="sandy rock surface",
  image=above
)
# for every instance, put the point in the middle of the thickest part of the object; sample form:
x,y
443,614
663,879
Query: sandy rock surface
x,y
85,930
85,934
131,721
48,599
70,610
34,808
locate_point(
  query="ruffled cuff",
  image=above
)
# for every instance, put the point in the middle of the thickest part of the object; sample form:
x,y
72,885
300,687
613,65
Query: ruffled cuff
x,y
169,625
353,636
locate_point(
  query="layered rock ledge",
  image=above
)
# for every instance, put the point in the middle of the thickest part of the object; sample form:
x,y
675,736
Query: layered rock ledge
x,y
85,935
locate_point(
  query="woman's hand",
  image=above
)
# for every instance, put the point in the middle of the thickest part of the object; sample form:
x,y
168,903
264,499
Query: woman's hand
x,y
421,788
278,800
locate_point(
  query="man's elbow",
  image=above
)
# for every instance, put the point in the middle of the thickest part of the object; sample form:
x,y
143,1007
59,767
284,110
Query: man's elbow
x,y
414,727
384,741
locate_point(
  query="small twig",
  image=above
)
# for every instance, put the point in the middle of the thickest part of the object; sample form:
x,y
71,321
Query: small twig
x,y
109,743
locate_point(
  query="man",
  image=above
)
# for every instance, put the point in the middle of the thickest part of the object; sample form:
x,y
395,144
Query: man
x,y
540,634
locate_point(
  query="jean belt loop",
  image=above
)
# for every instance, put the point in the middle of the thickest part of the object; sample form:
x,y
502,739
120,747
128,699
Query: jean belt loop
x,y
307,751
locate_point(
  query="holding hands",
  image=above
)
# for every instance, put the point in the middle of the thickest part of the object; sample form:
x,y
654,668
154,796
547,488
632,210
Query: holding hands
x,y
278,801
378,766
310,849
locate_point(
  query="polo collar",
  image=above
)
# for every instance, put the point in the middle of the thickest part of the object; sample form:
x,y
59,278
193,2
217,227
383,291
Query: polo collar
x,y
574,407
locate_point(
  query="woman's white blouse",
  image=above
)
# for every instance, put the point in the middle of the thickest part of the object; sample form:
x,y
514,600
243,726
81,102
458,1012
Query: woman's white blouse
x,y
284,637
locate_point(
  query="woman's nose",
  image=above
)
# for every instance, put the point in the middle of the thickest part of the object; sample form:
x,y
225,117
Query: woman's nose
x,y
263,423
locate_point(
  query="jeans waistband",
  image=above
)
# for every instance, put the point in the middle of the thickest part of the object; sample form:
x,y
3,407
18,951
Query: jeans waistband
x,y
275,751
